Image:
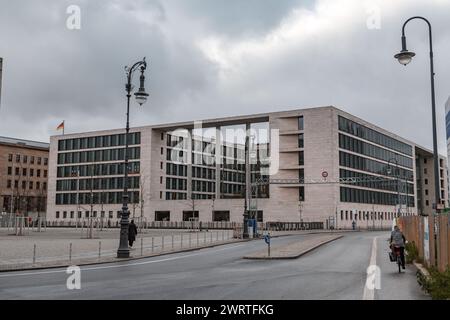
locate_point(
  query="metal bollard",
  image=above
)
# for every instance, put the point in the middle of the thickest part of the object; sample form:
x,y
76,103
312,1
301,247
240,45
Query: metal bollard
x,y
99,249
153,244
142,246
70,252
34,253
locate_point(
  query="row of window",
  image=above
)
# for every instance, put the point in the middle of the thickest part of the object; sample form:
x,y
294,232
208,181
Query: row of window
x,y
203,186
204,173
375,182
98,155
25,171
31,185
361,131
97,198
96,184
179,170
176,196
103,169
114,140
372,197
176,184
301,142
364,164
355,145
25,159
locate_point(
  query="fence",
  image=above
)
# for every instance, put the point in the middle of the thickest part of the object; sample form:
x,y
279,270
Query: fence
x,y
431,236
199,225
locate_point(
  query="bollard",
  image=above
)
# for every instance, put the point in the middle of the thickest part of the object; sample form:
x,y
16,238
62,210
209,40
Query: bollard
x,y
142,246
70,252
172,242
99,249
34,253
189,240
153,244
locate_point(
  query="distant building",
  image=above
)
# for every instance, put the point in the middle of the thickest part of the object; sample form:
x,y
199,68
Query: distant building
x,y
23,177
330,166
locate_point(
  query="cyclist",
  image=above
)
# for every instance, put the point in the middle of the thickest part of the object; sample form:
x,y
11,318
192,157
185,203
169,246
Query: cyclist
x,y
398,240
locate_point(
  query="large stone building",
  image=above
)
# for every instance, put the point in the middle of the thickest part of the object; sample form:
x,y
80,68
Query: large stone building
x,y
23,177
311,165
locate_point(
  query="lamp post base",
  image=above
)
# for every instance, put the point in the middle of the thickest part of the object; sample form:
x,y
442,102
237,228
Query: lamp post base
x,y
123,253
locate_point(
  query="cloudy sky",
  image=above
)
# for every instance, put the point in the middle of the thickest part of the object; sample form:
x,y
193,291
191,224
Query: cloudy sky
x,y
213,58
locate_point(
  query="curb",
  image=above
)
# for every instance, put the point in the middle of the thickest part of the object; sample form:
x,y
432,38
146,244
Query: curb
x,y
297,255
114,260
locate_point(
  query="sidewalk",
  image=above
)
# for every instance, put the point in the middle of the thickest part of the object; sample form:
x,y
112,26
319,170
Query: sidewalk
x,y
295,249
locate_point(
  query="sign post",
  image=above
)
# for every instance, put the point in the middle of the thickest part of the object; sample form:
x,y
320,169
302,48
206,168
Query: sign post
x,y
267,240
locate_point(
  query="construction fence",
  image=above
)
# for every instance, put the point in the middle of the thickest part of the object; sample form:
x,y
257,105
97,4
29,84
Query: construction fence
x,y
431,236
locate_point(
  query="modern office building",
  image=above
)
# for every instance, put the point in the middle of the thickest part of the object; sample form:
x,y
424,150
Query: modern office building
x,y
23,177
312,165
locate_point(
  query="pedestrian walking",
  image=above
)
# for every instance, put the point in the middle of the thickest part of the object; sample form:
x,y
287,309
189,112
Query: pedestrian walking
x,y
132,232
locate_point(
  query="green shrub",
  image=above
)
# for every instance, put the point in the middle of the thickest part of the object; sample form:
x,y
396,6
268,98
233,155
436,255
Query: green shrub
x,y
412,252
438,285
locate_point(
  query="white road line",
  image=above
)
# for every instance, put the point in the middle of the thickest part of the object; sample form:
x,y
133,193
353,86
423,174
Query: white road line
x,y
369,289
114,266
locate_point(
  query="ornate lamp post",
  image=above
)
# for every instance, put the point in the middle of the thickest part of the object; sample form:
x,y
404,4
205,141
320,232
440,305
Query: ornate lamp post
x,y
141,97
405,57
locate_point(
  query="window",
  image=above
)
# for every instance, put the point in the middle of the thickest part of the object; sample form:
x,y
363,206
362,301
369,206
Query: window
x,y
9,171
45,173
24,185
426,181
301,194
38,185
72,214
44,185
16,184
17,158
10,157
426,192
31,172
31,185
25,159
300,140
17,171
57,215
162,150
300,123
8,184
38,173
301,158
24,172
425,170
64,214
39,160
32,159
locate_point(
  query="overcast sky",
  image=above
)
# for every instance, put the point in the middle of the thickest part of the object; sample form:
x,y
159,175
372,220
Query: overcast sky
x,y
214,58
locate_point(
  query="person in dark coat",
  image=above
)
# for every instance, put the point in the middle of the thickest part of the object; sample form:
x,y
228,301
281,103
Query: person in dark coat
x,y
132,232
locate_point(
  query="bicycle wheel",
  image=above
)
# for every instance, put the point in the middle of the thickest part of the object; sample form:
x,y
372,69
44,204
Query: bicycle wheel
x,y
399,263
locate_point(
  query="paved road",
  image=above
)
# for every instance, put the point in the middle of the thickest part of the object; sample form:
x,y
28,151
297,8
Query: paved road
x,y
334,271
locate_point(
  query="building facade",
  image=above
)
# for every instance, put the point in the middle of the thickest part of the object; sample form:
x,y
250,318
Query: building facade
x,y
311,165
24,176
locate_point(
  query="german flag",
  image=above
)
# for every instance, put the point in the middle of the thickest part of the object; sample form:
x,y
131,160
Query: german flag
x,y
61,126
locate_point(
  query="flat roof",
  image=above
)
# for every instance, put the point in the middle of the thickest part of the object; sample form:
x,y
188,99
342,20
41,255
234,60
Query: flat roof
x,y
24,143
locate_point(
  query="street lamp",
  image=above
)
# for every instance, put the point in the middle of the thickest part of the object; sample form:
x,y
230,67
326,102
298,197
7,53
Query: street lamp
x,y
141,98
405,57
389,171
245,234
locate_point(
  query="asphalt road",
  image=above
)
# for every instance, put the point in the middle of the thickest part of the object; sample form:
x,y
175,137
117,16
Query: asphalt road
x,y
334,271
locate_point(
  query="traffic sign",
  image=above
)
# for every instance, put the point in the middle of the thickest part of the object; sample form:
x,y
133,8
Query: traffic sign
x,y
267,239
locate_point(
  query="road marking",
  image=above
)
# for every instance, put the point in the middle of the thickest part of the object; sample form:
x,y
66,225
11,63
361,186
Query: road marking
x,y
115,266
369,293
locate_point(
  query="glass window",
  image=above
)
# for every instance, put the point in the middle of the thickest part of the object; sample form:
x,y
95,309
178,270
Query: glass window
x,y
300,123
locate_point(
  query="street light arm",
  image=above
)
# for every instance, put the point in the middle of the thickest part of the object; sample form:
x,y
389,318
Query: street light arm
x,y
131,70
429,33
